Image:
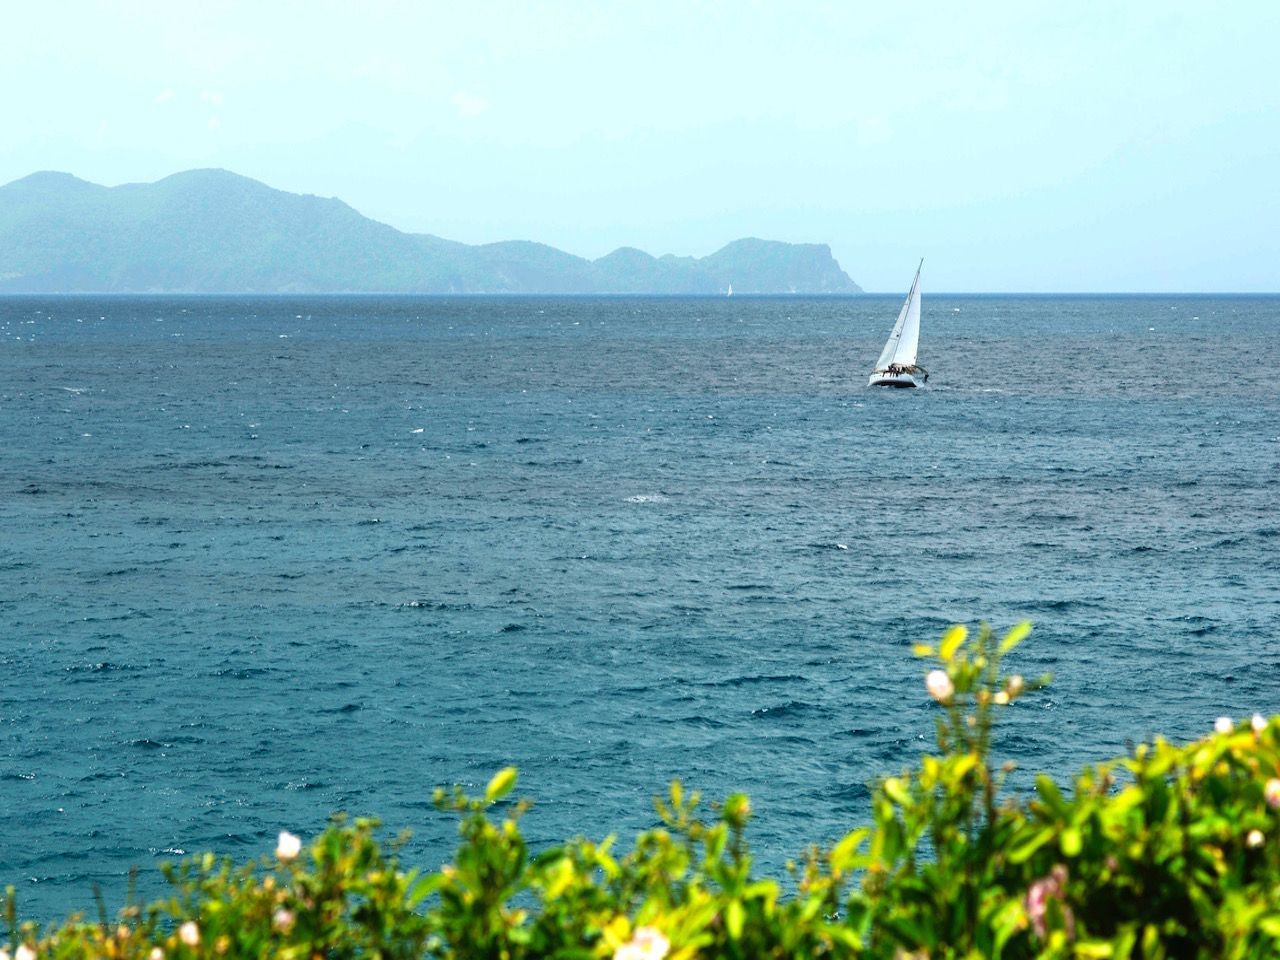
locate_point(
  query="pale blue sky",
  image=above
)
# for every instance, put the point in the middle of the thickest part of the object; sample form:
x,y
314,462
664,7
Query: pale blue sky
x,y
1062,146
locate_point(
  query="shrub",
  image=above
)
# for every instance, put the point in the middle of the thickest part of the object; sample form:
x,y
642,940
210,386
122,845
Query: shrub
x,y
1172,852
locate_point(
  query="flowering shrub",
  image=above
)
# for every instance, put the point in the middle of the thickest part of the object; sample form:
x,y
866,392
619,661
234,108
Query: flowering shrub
x,y
1171,852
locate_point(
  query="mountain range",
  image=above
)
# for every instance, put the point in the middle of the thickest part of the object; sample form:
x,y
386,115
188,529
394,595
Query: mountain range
x,y
213,231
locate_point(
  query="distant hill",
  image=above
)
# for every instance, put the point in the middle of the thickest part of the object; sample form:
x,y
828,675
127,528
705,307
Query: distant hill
x,y
212,231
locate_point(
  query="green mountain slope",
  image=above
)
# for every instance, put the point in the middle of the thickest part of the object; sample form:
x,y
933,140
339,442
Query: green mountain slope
x,y
212,231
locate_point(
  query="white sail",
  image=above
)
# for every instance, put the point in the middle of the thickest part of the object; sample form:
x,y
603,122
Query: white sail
x,y
904,342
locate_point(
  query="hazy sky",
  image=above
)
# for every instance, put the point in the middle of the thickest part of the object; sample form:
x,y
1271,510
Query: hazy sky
x,y
1016,146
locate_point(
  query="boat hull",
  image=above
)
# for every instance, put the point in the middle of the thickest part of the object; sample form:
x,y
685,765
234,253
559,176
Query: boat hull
x,y
883,378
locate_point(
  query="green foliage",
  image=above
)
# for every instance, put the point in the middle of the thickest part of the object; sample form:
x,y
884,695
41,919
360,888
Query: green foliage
x,y
1171,852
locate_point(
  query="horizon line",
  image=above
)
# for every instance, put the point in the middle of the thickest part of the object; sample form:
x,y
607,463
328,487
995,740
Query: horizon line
x,y
657,296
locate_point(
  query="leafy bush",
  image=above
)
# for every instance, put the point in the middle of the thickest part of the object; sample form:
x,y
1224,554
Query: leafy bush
x,y
1171,852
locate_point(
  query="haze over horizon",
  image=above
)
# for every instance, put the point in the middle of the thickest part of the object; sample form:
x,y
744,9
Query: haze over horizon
x,y
1014,148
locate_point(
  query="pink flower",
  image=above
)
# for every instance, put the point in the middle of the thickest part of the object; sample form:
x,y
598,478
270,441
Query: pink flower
x,y
189,933
283,920
939,686
1043,892
1272,792
288,846
647,943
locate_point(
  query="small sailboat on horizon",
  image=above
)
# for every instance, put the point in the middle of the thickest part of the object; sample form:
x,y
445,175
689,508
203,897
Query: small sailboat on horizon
x,y
897,365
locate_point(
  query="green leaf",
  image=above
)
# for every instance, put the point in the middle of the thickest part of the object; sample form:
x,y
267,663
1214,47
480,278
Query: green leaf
x,y
1095,950
960,769
424,888
844,853
846,937
896,791
1051,795
951,641
1071,842
1015,636
1270,925
502,783
1024,850
733,918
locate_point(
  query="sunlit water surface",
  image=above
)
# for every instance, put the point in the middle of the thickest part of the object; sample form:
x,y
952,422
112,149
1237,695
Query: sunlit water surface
x,y
265,559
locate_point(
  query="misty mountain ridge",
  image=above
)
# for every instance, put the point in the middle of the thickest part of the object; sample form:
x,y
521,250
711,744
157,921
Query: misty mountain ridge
x,y
213,231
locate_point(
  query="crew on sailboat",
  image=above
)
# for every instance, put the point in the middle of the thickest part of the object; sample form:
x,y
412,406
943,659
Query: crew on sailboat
x,y
902,369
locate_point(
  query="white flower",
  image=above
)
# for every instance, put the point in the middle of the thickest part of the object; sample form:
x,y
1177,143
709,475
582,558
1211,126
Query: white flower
x,y
1255,838
1224,725
24,953
647,943
189,933
1015,684
287,846
283,920
939,685
1259,723
4,954
156,954
1001,697
1272,792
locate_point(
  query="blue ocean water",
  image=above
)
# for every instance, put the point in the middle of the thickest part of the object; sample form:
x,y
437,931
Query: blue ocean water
x,y
265,559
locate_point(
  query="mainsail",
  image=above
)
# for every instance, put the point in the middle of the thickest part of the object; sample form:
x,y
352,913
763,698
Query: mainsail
x,y
904,342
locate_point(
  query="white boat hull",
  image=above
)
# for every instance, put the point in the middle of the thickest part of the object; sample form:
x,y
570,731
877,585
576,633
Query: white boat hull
x,y
886,378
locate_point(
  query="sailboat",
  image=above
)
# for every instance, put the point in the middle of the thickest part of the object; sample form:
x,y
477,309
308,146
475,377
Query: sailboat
x,y
897,365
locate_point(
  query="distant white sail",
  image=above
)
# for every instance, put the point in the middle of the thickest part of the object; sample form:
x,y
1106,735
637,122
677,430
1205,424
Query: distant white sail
x,y
897,365
904,342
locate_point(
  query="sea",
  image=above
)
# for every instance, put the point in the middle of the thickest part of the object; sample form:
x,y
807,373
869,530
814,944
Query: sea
x,y
267,559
